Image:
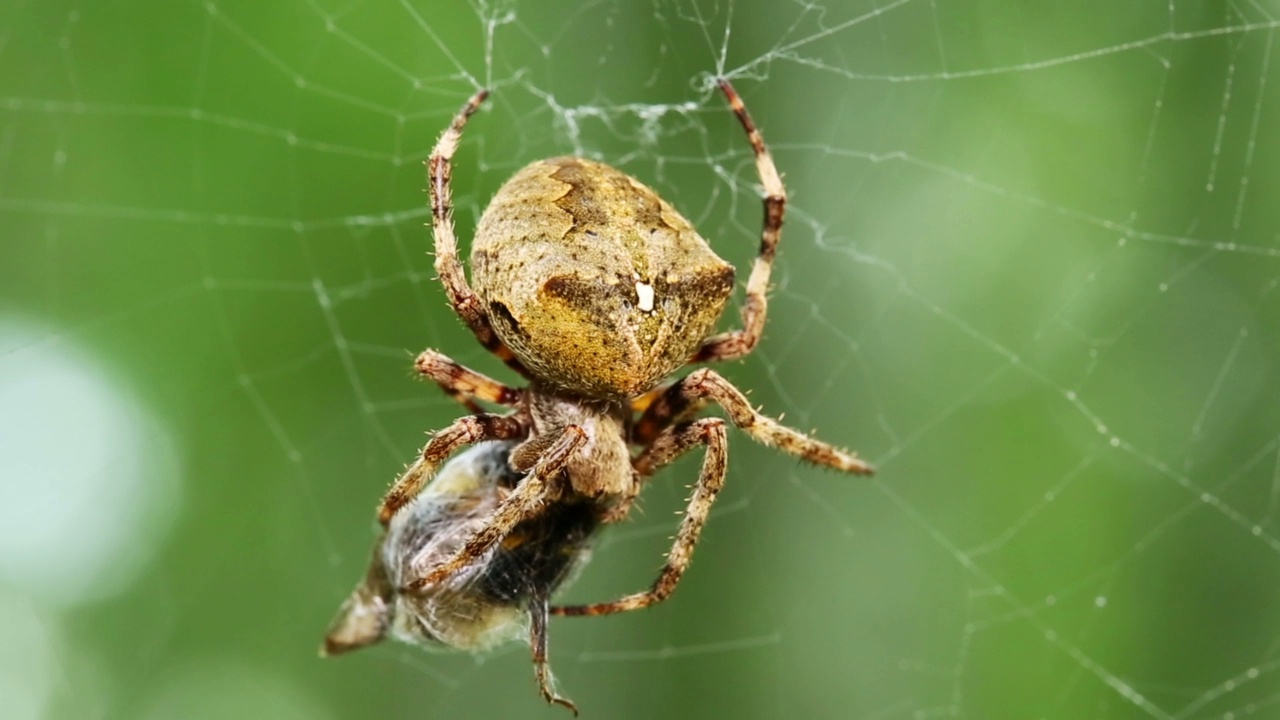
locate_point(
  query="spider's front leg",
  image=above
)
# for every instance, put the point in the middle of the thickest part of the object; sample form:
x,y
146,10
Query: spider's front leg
x,y
737,343
672,443
464,431
448,266
534,491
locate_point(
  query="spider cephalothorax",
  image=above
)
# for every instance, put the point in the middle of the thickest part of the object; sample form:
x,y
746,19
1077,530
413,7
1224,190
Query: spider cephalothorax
x,y
595,289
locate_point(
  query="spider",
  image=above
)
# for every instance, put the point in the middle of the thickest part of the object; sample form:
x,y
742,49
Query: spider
x,y
595,289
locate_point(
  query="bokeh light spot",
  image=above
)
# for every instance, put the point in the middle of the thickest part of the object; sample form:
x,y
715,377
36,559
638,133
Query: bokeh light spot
x,y
91,480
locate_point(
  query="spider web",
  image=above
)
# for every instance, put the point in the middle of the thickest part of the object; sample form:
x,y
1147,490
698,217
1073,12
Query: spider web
x,y
1029,270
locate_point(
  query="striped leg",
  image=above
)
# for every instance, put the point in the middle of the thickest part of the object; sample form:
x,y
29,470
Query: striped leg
x,y
464,384
737,343
448,267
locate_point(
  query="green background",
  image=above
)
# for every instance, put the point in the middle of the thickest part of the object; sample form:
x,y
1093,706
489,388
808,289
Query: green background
x,y
1029,270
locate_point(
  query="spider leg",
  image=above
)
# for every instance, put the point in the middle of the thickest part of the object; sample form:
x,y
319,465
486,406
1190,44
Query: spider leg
x,y
660,413
464,431
737,343
704,385
448,266
538,643
527,499
462,383
669,445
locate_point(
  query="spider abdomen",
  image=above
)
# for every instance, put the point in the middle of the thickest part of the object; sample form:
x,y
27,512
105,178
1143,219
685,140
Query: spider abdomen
x,y
598,285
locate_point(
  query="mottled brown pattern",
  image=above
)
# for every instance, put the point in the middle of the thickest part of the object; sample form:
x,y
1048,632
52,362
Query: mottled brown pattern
x,y
556,259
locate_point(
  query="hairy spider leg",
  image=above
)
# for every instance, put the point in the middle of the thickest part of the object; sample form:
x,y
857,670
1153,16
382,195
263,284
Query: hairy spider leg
x,y
464,431
705,385
690,394
448,266
464,384
738,343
